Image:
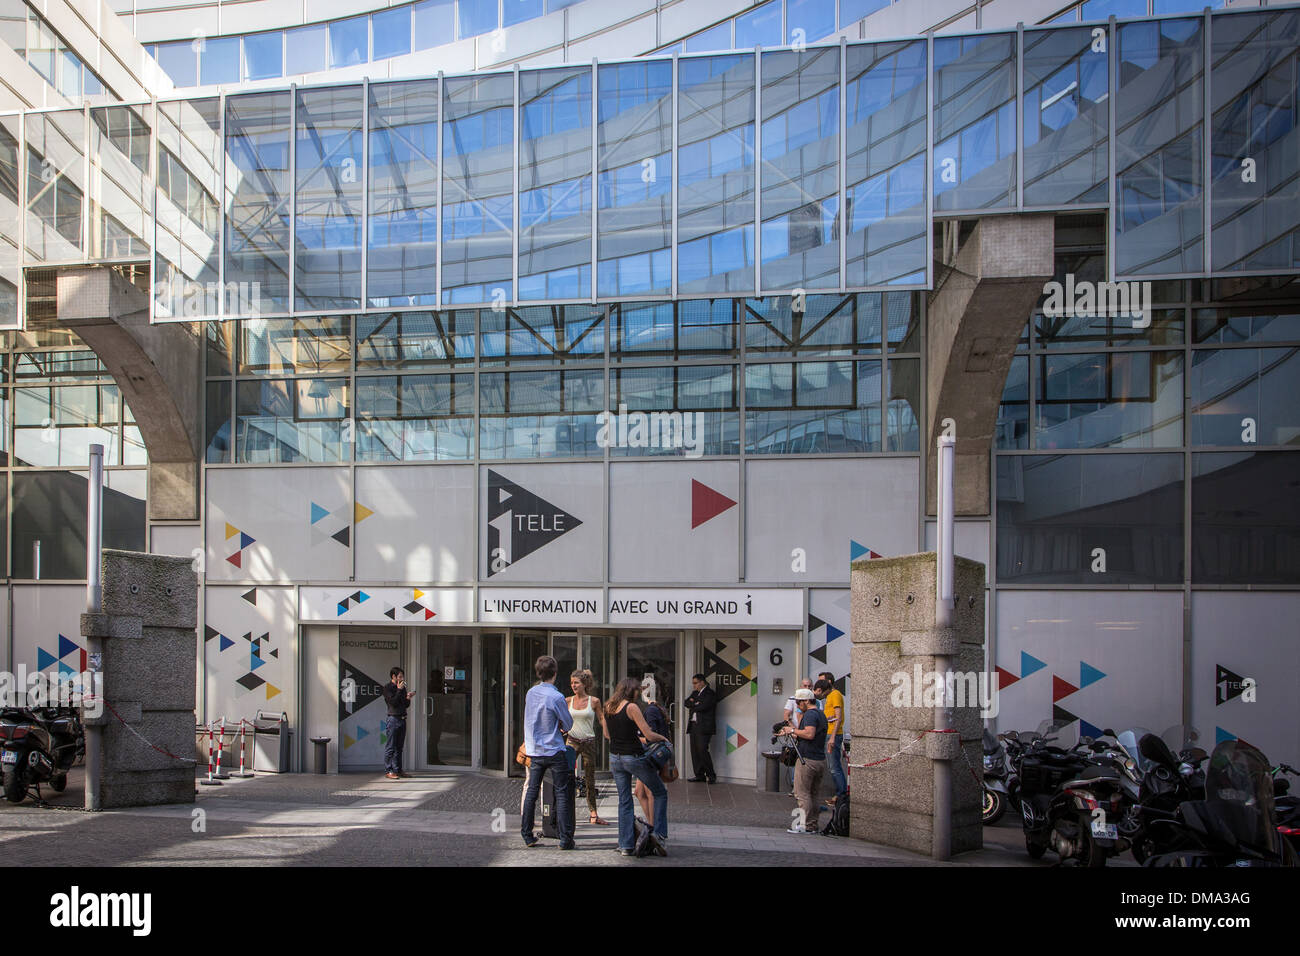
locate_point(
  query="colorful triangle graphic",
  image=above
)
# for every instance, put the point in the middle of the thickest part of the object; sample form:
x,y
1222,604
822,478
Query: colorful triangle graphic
x,y
250,596
1061,688
347,741
1089,730
360,512
1029,664
245,540
832,632
225,642
317,512
271,691
814,622
66,646
1005,678
237,559
44,659
1088,675
362,732
231,531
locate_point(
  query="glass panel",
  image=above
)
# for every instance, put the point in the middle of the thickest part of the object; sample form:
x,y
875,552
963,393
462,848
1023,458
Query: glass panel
x,y
975,122
564,648
329,199
812,408
829,324
10,254
492,691
801,146
305,48
555,184
121,192
186,211
478,188
1226,326
414,340
56,426
1165,7
1054,511
542,414
600,656
476,16
55,147
217,423
291,420
263,55
402,259
66,366
654,657
432,23
886,164
517,11
1066,117
1245,396
415,417
714,38
1245,518
1121,400
851,11
349,42
551,334
219,61
257,200
902,404
634,163
715,176
1012,428
760,26
525,648
809,20
49,521
704,395
902,320
449,704
1101,9
1254,141
1158,216
179,61
694,327
392,32
288,346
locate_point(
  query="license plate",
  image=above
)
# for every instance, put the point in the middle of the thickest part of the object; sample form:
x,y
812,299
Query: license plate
x,y
1105,831
9,756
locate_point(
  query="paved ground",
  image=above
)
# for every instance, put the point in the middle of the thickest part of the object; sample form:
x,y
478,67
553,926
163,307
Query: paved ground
x,y
438,818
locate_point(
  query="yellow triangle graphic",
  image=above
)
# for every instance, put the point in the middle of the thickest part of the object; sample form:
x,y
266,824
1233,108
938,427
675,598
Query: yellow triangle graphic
x,y
417,594
361,512
347,741
271,690
231,531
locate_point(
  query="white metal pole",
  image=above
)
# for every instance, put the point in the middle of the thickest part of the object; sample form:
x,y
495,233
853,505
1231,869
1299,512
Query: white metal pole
x,y
94,604
944,575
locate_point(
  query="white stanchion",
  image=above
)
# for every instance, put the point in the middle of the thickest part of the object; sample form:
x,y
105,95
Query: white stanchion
x,y
221,751
243,748
210,782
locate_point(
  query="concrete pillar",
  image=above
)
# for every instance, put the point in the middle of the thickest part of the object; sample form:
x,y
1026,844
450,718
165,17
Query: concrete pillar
x,y
982,299
894,640
157,369
145,637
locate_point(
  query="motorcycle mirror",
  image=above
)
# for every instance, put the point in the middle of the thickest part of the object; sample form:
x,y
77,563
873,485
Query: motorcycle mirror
x,y
1108,732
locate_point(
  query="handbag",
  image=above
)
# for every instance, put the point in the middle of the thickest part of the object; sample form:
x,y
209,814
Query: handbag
x,y
789,756
660,756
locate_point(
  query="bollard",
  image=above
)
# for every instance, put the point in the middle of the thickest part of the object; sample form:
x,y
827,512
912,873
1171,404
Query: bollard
x,y
210,782
221,752
243,747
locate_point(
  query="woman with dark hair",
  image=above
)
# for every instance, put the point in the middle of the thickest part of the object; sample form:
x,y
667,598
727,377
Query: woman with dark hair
x,y
657,718
585,708
627,726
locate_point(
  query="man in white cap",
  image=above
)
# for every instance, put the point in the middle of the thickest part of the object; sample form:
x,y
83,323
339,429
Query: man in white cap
x,y
808,773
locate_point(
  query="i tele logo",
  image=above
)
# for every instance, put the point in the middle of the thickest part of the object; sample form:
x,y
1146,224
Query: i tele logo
x,y
76,909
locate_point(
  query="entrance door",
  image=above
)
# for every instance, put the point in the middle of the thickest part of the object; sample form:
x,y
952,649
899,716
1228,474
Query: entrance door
x,y
448,700
525,648
652,656
365,658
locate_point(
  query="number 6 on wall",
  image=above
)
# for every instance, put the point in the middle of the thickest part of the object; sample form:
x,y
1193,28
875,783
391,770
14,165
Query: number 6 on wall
x,y
775,657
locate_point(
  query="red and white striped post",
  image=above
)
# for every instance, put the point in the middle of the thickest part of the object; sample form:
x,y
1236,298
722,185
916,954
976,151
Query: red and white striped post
x,y
210,782
242,749
221,751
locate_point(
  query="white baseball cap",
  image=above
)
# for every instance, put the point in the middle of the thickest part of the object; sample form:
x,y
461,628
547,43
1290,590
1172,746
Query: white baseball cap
x,y
803,693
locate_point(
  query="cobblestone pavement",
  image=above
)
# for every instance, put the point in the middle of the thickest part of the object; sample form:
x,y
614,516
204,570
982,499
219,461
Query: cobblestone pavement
x,y
443,819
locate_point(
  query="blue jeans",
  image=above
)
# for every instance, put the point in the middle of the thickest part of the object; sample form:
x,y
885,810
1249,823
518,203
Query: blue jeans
x,y
562,778
624,768
396,728
835,762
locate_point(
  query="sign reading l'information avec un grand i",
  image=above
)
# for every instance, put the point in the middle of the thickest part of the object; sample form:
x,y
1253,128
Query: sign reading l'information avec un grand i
x,y
707,607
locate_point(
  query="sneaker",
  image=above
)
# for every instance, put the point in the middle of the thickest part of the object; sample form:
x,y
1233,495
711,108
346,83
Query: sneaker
x,y
532,843
623,852
391,776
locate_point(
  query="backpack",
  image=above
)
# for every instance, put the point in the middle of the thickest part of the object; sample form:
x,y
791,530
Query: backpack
x,y
839,825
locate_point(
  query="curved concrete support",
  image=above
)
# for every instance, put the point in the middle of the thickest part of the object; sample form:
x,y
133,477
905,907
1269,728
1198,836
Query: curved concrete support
x,y
157,369
974,320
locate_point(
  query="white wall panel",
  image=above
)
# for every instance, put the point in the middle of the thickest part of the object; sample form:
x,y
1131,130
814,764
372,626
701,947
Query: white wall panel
x,y
250,652
47,627
415,524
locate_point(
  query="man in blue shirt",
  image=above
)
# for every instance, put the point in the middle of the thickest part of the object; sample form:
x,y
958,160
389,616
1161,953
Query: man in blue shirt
x,y
546,721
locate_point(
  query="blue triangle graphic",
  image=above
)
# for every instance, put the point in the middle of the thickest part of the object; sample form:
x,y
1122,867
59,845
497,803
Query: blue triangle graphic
x,y
65,669
832,632
1088,730
362,732
364,595
66,646
1088,675
44,659
1220,735
1029,664
343,609
245,540
317,512
856,550
225,642
256,662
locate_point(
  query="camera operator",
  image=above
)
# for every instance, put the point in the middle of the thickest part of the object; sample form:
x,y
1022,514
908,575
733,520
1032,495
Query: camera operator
x,y
811,744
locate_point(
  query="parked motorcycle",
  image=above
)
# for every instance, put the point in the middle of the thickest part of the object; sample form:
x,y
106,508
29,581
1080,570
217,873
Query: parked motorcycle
x,y
1236,823
1287,805
1168,777
1001,775
40,747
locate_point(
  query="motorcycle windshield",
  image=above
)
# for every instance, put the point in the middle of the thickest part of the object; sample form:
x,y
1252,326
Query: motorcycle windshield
x,y
1181,737
1238,773
1128,741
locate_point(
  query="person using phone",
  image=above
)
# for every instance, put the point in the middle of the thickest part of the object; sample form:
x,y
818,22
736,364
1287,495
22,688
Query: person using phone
x,y
398,699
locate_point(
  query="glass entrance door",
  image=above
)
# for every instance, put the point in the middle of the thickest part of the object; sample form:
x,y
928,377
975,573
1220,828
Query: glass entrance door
x,y
448,700
525,648
653,656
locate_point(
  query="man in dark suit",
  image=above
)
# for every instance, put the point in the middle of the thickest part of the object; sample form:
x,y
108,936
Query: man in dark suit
x,y
702,726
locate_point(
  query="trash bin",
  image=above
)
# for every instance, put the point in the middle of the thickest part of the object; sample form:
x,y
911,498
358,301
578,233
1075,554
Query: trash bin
x,y
272,740
322,753
772,771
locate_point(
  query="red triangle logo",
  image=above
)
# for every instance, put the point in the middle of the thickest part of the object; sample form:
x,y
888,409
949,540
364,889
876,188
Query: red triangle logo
x,y
706,503
236,559
1061,688
740,740
1005,678
428,614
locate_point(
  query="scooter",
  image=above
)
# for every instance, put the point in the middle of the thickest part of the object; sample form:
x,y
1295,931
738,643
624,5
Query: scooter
x,y
1001,776
40,748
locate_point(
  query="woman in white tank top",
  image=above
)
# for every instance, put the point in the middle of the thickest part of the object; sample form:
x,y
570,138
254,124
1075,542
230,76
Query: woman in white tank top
x,y
582,735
